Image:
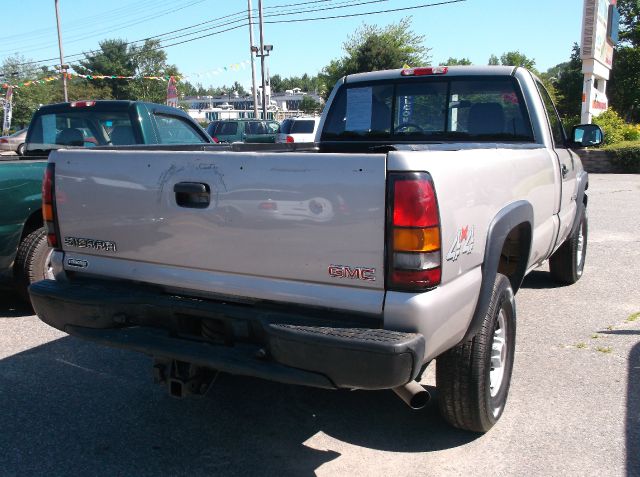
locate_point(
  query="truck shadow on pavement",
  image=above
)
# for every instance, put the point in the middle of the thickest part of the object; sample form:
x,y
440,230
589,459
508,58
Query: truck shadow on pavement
x,y
13,307
74,408
540,280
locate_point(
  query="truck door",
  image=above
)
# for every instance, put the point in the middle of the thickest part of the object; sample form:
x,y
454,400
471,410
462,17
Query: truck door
x,y
566,167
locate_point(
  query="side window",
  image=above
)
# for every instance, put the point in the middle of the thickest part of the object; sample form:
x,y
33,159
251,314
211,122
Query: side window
x,y
227,129
554,120
175,130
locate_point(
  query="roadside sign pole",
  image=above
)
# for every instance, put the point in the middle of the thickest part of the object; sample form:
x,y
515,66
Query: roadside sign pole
x,y
264,78
253,66
63,70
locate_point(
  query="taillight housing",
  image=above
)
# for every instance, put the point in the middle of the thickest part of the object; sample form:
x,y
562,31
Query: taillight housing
x,y
414,258
216,140
290,139
49,207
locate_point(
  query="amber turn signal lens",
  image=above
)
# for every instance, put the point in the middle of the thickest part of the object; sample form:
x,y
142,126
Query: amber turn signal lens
x,y
416,240
47,212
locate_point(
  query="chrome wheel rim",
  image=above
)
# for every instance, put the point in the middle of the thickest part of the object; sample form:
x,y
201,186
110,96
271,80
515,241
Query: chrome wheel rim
x,y
498,354
580,247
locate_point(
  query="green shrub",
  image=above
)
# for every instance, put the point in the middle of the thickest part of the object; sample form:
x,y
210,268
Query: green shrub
x,y
631,132
625,155
612,125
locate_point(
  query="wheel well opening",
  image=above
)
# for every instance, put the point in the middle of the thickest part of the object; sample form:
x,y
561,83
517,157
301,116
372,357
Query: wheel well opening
x,y
34,222
515,255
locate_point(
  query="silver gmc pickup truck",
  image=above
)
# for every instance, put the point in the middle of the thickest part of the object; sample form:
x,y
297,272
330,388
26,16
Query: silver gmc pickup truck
x,y
402,240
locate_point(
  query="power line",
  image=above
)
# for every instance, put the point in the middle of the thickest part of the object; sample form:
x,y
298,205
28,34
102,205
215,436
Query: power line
x,y
240,20
296,20
130,23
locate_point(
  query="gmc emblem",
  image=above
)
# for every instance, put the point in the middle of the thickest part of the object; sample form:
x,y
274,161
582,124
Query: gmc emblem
x,y
353,273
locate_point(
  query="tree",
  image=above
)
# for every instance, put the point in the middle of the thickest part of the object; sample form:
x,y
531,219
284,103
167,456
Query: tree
x,y
493,60
113,58
567,80
456,61
515,58
373,48
150,60
624,83
17,70
629,22
309,105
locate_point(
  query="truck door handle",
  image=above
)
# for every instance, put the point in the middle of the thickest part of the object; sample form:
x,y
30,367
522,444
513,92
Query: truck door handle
x,y
565,170
195,195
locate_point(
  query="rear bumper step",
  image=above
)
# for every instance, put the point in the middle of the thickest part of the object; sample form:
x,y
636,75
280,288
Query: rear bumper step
x,y
265,344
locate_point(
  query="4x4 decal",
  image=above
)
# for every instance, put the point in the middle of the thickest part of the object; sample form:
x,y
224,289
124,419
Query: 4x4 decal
x,y
463,243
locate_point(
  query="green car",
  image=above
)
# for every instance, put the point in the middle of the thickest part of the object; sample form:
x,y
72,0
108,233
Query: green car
x,y
244,130
24,252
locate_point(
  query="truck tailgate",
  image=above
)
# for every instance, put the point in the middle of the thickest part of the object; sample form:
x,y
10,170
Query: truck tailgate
x,y
306,228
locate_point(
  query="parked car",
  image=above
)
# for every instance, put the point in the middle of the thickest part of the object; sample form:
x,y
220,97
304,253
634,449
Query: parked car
x,y
298,130
24,253
245,130
14,142
211,128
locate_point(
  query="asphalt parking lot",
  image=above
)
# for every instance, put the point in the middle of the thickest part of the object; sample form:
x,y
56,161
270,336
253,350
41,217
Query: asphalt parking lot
x,y
72,408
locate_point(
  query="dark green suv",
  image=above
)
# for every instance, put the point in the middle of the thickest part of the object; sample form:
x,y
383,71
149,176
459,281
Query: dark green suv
x,y
244,130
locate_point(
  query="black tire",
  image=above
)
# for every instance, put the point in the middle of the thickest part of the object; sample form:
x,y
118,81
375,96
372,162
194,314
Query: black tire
x,y
32,261
20,150
567,263
463,374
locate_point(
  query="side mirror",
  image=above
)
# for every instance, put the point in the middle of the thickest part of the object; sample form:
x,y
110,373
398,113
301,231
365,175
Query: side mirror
x,y
587,135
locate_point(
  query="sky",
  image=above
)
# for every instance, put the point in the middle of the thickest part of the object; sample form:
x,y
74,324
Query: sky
x,y
544,30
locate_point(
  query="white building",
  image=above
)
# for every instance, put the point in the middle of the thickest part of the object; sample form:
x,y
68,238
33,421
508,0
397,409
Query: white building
x,y
232,105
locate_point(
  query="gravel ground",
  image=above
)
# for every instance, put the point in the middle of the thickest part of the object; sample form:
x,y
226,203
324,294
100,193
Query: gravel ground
x,y
72,408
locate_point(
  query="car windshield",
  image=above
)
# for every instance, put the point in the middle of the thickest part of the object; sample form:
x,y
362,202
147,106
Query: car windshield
x,y
431,109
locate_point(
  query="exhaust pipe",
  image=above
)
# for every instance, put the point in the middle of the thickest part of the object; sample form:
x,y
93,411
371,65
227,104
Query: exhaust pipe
x,y
413,394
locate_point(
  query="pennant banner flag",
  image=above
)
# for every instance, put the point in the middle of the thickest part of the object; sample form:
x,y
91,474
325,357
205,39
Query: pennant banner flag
x,y
233,67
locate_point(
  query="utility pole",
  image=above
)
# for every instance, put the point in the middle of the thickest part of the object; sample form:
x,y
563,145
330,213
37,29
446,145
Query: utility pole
x,y
253,66
264,78
63,69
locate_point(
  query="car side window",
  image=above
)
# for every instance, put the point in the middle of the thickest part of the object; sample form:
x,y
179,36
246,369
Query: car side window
x,y
557,130
175,130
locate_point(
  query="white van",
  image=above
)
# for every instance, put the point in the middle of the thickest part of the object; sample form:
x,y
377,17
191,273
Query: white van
x,y
298,129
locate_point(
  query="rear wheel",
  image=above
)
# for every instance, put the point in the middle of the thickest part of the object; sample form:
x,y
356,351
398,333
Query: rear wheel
x,y
33,261
473,378
567,263
20,150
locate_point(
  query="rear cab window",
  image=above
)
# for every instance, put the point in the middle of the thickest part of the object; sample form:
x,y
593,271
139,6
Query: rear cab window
x,y
426,109
79,128
303,126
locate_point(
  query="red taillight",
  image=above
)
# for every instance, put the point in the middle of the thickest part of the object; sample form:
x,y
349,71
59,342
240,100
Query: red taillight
x,y
4,141
414,204
426,71
414,260
290,139
216,140
82,104
48,206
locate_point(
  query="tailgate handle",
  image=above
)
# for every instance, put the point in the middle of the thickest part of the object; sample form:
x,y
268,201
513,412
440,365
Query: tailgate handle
x,y
195,195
